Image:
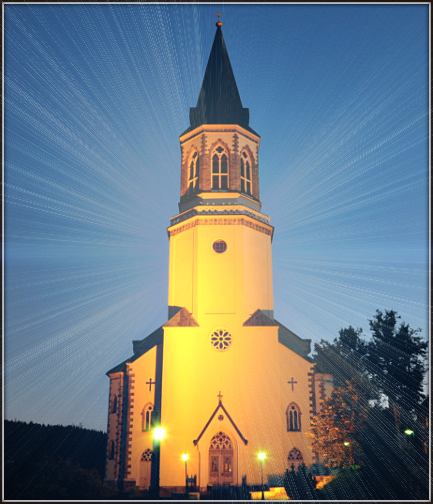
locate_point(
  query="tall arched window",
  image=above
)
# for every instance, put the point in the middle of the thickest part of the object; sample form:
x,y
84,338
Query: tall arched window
x,y
193,172
113,407
245,173
293,417
220,169
147,417
111,450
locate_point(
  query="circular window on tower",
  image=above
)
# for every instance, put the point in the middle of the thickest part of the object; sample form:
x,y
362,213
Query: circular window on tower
x,y
219,246
221,339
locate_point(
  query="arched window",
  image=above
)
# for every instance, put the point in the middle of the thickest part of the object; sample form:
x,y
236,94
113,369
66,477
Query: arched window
x,y
295,458
193,172
245,173
147,417
113,407
111,450
220,169
293,417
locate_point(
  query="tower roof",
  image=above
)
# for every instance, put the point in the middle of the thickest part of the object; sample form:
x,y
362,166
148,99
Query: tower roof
x,y
219,101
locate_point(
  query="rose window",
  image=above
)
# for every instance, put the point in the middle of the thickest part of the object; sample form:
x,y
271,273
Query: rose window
x,y
221,339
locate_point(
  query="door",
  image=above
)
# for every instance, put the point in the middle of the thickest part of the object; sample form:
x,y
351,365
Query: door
x,y
221,460
145,465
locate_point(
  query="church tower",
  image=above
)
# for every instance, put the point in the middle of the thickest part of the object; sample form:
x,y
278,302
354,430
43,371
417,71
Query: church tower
x,y
222,377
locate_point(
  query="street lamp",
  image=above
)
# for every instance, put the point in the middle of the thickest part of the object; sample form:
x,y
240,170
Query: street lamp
x,y
159,433
185,459
409,432
262,457
346,443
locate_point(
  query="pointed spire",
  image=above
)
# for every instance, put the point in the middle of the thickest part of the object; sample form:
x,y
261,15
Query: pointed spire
x,y
219,101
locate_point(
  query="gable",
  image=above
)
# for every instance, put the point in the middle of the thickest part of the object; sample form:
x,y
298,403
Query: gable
x,y
289,339
140,347
258,318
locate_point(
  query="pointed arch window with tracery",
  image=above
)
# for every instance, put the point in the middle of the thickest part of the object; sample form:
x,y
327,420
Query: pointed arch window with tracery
x,y
246,182
147,417
220,173
193,174
295,458
293,413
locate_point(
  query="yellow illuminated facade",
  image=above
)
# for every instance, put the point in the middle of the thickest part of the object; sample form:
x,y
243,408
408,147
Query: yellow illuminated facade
x,y
222,377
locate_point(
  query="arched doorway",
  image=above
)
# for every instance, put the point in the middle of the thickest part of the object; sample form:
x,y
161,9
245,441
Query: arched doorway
x,y
221,460
145,465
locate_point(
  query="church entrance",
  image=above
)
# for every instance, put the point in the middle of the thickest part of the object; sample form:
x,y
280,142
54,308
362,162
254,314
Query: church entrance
x,y
145,466
221,460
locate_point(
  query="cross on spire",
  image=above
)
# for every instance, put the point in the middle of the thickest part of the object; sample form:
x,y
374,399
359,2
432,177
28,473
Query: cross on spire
x,y
150,383
292,382
219,14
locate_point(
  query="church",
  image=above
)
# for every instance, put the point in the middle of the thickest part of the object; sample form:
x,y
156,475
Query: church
x,y
222,377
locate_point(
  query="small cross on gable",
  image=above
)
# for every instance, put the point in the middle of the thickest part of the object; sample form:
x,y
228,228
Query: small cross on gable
x,y
150,383
292,382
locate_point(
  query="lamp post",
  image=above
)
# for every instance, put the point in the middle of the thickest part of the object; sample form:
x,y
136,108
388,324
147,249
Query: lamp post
x,y
262,457
158,435
185,459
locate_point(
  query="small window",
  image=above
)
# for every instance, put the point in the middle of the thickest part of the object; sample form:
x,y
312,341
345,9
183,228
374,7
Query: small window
x,y
246,184
220,246
113,407
193,173
111,450
293,417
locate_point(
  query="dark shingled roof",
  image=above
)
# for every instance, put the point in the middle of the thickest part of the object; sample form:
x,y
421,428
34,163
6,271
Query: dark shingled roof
x,y
219,101
290,340
140,348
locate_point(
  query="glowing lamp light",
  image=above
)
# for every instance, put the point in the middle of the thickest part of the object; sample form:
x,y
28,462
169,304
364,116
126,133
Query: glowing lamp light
x,y
346,443
159,433
185,457
262,456
409,432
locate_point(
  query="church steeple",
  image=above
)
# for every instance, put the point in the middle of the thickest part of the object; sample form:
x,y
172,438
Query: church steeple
x,y
219,101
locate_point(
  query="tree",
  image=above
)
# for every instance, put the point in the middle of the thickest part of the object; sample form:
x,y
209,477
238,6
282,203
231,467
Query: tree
x,y
336,432
345,359
397,361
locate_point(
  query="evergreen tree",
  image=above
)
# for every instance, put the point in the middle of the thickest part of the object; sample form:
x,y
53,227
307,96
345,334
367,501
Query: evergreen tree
x,y
397,360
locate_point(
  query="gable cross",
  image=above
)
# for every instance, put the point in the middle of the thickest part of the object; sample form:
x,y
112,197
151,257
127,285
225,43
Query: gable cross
x,y
220,396
292,382
150,383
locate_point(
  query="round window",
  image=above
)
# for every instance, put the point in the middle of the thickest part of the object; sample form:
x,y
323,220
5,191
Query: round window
x,y
221,339
219,246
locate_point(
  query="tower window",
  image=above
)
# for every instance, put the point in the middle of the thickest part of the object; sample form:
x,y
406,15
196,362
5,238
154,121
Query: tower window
x,y
219,246
193,171
113,406
293,417
111,450
220,169
245,174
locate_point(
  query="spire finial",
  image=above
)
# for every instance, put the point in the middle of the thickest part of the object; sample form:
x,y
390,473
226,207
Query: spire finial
x,y
219,14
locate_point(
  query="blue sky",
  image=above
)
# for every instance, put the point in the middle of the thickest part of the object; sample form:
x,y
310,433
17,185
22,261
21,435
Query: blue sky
x,y
96,97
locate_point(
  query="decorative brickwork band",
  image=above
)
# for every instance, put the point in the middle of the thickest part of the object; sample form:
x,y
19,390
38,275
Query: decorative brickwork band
x,y
221,222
